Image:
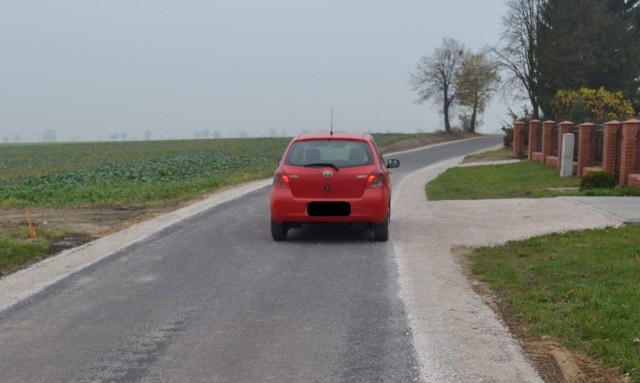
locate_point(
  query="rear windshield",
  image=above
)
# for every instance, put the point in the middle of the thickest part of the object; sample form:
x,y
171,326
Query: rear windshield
x,y
339,153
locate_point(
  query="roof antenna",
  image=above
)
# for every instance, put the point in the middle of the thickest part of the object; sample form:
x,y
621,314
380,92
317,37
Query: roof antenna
x,y
331,133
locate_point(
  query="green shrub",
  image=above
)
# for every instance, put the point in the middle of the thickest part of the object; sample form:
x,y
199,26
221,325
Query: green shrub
x,y
508,137
598,180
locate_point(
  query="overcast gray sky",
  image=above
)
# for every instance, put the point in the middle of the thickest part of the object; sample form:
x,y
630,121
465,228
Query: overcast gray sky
x,y
91,68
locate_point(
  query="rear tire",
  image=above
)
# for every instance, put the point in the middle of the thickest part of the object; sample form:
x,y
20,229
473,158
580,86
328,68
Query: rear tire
x,y
278,231
381,232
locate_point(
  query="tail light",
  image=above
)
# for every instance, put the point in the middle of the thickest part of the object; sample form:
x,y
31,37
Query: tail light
x,y
375,179
281,179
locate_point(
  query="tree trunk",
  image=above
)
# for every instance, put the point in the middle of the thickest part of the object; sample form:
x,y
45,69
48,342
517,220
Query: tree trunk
x,y
536,108
445,112
474,116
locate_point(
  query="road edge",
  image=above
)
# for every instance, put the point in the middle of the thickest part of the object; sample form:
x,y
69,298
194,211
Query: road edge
x,y
24,284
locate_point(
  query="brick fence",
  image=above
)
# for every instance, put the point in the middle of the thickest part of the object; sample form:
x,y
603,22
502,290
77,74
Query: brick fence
x,y
613,147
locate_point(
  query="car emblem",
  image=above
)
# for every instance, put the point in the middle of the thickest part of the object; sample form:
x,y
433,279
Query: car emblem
x,y
327,173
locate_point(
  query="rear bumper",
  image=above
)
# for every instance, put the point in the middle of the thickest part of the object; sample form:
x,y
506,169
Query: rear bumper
x,y
372,207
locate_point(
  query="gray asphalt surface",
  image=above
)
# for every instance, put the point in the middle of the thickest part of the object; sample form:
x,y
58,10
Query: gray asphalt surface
x,y
212,298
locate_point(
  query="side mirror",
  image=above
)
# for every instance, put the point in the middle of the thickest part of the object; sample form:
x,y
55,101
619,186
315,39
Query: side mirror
x,y
393,163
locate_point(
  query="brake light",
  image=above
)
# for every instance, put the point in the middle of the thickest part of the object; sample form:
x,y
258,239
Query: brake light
x,y
375,179
281,179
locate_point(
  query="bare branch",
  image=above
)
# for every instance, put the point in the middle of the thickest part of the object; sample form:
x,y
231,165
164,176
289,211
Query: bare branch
x,y
434,76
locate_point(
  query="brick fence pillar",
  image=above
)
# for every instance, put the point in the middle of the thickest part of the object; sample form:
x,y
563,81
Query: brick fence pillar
x,y
547,139
534,125
586,149
610,153
563,128
629,151
518,139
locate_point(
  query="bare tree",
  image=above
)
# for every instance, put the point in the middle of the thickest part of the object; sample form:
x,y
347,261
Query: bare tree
x,y
518,55
476,82
434,77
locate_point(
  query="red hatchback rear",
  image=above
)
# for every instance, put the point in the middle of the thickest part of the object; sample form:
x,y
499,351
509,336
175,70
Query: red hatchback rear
x,y
335,178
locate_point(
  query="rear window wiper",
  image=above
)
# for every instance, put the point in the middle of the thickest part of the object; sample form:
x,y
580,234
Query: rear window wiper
x,y
322,164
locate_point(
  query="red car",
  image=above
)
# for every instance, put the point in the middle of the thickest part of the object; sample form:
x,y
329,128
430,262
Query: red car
x,y
332,178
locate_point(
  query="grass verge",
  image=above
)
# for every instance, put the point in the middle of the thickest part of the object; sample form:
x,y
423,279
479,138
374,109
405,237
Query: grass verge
x,y
18,248
579,288
523,179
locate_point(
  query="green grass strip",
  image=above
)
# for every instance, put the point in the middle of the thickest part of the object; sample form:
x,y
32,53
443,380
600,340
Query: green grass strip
x,y
580,288
525,179
14,253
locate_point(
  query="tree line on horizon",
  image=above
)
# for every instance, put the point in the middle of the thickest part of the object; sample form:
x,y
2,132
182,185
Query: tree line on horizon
x,y
565,58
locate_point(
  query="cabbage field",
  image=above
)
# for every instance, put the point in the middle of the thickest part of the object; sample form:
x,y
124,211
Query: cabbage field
x,y
129,173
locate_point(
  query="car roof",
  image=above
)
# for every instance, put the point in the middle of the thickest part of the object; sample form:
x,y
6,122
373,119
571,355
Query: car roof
x,y
337,135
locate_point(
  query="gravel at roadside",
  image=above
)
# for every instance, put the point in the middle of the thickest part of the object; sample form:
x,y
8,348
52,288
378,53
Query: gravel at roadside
x,y
457,335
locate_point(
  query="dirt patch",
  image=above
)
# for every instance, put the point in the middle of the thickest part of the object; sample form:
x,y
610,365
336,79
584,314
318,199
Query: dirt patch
x,y
69,241
554,363
66,228
91,221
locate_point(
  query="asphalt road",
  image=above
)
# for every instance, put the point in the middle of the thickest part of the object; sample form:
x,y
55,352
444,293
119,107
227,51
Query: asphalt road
x,y
214,299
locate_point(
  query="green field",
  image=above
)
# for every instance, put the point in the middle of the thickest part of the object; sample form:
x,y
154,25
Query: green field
x,y
579,288
129,173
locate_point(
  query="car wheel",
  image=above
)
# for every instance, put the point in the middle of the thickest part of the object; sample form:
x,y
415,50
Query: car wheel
x,y
381,232
278,231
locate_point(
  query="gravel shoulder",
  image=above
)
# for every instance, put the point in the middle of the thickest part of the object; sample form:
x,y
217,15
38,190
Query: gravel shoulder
x,y
458,337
